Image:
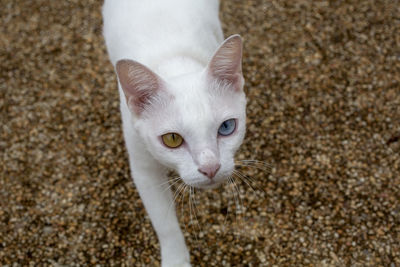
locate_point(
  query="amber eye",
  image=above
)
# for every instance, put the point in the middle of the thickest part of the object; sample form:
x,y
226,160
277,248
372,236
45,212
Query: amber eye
x,y
172,140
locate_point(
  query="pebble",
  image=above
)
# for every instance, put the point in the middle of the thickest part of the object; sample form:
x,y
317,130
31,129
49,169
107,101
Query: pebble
x,y
323,88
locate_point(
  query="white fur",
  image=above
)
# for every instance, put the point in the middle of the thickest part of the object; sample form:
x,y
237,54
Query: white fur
x,y
176,39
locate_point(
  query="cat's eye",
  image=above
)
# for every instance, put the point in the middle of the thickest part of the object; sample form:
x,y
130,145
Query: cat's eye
x,y
172,140
227,127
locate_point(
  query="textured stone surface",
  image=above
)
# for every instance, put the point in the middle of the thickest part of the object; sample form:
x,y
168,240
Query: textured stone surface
x,y
323,86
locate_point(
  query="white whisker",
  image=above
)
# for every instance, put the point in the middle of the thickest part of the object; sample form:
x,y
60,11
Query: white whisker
x,y
190,205
195,209
267,170
170,180
182,199
190,211
235,198
266,164
261,165
243,178
175,196
241,208
227,208
175,181
238,195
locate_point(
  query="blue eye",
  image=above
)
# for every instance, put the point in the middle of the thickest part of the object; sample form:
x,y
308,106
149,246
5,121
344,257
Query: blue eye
x,y
227,127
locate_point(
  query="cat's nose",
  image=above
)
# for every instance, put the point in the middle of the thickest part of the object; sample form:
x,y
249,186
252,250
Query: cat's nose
x,y
209,170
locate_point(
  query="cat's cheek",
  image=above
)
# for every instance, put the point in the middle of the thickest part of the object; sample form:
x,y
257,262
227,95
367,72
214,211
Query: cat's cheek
x,y
229,146
189,174
177,159
227,166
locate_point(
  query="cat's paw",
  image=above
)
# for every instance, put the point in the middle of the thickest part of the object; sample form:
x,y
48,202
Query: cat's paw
x,y
183,264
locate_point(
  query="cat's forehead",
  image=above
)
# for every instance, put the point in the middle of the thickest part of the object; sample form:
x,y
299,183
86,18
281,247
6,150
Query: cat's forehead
x,y
191,110
187,84
196,106
196,97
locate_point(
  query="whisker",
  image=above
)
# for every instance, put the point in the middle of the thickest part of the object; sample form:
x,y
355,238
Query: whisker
x,y
235,198
242,208
175,196
237,191
243,178
195,209
231,191
190,205
179,191
227,209
170,180
249,163
266,169
190,210
266,164
172,184
183,197
262,165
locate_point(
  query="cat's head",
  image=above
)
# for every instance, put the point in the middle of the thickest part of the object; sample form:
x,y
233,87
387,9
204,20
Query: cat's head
x,y
194,123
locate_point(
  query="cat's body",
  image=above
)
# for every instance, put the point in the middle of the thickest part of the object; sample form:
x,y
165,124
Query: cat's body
x,y
157,30
172,80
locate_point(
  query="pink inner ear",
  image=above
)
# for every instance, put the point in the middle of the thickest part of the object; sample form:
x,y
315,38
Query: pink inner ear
x,y
138,82
226,64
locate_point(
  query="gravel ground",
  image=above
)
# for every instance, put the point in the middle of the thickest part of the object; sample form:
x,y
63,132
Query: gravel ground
x,y
323,86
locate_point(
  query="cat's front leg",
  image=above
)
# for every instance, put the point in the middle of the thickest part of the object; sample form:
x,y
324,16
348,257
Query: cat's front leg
x,y
150,180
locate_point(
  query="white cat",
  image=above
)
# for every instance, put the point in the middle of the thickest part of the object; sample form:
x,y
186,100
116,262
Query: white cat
x,y
182,101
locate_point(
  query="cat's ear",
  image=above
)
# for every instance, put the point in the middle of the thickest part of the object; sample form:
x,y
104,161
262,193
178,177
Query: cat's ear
x,y
226,64
139,84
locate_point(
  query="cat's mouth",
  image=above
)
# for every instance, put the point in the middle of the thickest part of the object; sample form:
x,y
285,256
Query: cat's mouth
x,y
210,184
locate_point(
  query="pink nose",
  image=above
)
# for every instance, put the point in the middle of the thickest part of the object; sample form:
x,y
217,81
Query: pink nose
x,y
209,170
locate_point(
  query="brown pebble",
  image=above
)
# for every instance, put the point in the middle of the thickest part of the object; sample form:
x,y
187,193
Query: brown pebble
x,y
323,88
